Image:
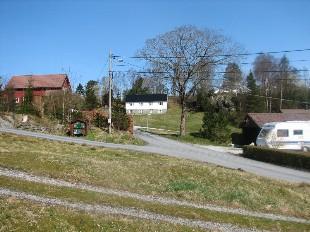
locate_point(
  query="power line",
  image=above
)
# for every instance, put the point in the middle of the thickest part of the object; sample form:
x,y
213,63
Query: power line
x,y
221,55
218,72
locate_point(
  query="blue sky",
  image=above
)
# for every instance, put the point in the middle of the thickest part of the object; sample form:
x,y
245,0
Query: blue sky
x,y
45,36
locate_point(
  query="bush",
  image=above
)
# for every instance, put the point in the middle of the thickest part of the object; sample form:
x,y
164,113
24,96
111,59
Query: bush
x,y
120,118
215,126
280,157
100,120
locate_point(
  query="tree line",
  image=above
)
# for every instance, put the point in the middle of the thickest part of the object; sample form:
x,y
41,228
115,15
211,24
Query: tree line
x,y
187,62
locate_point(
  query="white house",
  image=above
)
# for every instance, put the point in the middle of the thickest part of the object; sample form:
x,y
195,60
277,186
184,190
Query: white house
x,y
146,104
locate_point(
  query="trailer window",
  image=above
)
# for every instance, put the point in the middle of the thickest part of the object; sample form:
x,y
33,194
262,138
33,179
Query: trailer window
x,y
282,133
264,133
298,132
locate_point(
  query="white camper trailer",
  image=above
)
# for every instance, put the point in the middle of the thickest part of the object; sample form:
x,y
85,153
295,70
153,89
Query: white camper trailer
x,y
290,135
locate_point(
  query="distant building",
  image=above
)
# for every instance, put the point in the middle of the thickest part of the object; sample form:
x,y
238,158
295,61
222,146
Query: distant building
x,y
41,85
146,104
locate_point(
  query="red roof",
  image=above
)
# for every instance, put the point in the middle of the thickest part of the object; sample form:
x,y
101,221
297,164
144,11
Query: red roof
x,y
261,118
38,81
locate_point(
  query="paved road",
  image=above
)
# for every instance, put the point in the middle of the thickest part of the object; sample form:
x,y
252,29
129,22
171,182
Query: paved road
x,y
164,146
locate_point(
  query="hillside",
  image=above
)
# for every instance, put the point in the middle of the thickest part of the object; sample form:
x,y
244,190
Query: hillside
x,y
68,187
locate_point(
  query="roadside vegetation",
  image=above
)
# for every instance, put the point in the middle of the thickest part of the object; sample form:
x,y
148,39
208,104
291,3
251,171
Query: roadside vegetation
x,y
154,175
122,137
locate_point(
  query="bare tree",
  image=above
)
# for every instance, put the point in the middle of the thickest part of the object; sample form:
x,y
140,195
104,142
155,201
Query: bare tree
x,y
264,67
184,56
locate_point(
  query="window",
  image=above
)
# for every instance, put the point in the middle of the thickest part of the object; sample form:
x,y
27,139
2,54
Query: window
x,y
264,133
298,132
282,133
161,103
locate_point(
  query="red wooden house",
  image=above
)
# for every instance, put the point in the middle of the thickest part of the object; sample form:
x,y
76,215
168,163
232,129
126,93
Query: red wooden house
x,y
41,85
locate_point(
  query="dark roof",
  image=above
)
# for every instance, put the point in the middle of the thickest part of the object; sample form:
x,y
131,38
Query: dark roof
x,y
38,81
146,97
261,118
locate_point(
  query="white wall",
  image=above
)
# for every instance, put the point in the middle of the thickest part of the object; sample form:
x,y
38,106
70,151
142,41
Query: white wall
x,y
146,107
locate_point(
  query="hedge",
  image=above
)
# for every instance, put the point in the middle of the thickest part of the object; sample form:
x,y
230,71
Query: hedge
x,y
281,157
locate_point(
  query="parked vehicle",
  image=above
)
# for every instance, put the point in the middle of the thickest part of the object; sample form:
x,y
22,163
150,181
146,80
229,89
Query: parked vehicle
x,y
290,135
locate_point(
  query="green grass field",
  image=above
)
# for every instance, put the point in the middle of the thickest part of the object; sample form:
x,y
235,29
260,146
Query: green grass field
x,y
144,174
171,121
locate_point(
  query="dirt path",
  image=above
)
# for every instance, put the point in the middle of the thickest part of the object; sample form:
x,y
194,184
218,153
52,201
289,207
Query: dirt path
x,y
142,214
147,198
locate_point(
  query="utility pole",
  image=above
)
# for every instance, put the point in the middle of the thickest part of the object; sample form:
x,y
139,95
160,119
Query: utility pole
x,y
281,95
110,93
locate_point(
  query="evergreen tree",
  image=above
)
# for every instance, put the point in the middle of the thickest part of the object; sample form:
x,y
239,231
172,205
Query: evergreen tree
x,y
27,106
138,88
91,101
253,103
80,90
215,124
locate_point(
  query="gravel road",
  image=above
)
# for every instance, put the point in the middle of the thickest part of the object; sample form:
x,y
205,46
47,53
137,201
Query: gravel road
x,y
165,201
164,146
104,209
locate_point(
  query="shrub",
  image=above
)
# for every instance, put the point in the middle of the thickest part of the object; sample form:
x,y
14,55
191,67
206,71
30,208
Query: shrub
x,y
286,158
215,126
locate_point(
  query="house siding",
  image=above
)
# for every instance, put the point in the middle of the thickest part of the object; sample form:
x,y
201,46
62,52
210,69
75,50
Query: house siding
x,y
146,107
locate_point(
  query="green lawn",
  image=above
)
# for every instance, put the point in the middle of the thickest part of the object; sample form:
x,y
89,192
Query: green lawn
x,y
154,174
171,121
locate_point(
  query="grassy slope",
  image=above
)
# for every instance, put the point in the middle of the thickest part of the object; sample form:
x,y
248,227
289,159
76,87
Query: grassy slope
x,y
171,121
16,215
177,211
153,174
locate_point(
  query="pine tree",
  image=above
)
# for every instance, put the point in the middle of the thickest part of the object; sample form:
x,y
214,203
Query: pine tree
x,y
215,124
253,103
80,90
137,87
27,106
91,100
